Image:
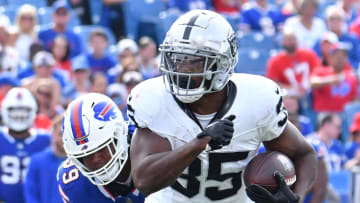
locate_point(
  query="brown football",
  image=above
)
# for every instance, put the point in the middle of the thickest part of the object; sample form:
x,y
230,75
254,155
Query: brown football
x,y
261,168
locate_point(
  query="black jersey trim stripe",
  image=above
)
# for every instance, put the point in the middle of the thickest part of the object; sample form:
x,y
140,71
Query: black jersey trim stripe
x,y
220,114
189,26
231,95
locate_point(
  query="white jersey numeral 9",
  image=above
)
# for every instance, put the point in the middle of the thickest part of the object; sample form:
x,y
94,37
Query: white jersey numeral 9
x,y
70,176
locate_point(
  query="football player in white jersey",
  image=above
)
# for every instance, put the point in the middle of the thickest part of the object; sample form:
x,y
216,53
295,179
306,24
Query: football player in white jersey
x,y
199,125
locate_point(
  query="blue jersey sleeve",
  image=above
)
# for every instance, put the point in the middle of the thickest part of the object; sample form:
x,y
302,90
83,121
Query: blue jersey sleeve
x,y
31,185
76,188
69,180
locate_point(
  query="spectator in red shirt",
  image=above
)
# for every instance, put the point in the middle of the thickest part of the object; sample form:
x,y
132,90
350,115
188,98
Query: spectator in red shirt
x,y
228,7
291,68
333,85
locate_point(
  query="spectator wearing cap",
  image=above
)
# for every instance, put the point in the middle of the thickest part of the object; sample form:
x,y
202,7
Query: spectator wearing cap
x,y
353,147
43,67
322,47
334,85
126,48
80,83
9,57
24,33
61,17
98,59
259,15
291,68
335,18
149,66
307,27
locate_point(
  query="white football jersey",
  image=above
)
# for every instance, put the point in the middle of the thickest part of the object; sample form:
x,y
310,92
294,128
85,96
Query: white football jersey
x,y
214,176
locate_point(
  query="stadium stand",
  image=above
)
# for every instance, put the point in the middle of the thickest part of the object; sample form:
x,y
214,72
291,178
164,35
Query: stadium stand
x,y
341,181
142,17
252,61
257,40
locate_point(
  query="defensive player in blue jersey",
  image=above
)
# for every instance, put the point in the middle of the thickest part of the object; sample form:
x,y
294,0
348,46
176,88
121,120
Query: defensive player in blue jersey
x,y
18,142
95,141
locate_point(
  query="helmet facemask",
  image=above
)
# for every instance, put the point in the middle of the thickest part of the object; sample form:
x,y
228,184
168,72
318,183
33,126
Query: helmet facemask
x,y
189,76
111,170
19,118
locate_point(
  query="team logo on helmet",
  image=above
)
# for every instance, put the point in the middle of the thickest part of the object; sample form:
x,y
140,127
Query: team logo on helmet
x,y
233,45
104,111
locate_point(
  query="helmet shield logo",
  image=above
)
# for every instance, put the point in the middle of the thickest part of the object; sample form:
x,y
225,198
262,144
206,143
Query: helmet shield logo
x,y
104,111
233,45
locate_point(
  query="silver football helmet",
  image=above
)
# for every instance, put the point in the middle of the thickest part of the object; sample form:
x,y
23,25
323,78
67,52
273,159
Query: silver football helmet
x,y
198,38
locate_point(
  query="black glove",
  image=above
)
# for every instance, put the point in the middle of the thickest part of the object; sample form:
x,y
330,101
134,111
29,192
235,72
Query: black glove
x,y
221,132
284,194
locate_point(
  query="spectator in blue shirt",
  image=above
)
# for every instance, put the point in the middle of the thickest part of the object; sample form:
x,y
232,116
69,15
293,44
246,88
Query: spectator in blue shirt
x,y
98,59
329,128
61,17
187,5
260,16
40,184
328,132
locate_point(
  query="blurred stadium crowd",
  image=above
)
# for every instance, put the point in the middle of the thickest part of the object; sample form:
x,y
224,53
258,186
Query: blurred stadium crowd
x,y
62,49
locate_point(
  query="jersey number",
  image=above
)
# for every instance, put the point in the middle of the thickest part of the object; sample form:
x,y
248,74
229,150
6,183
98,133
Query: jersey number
x,y
71,175
214,174
13,169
